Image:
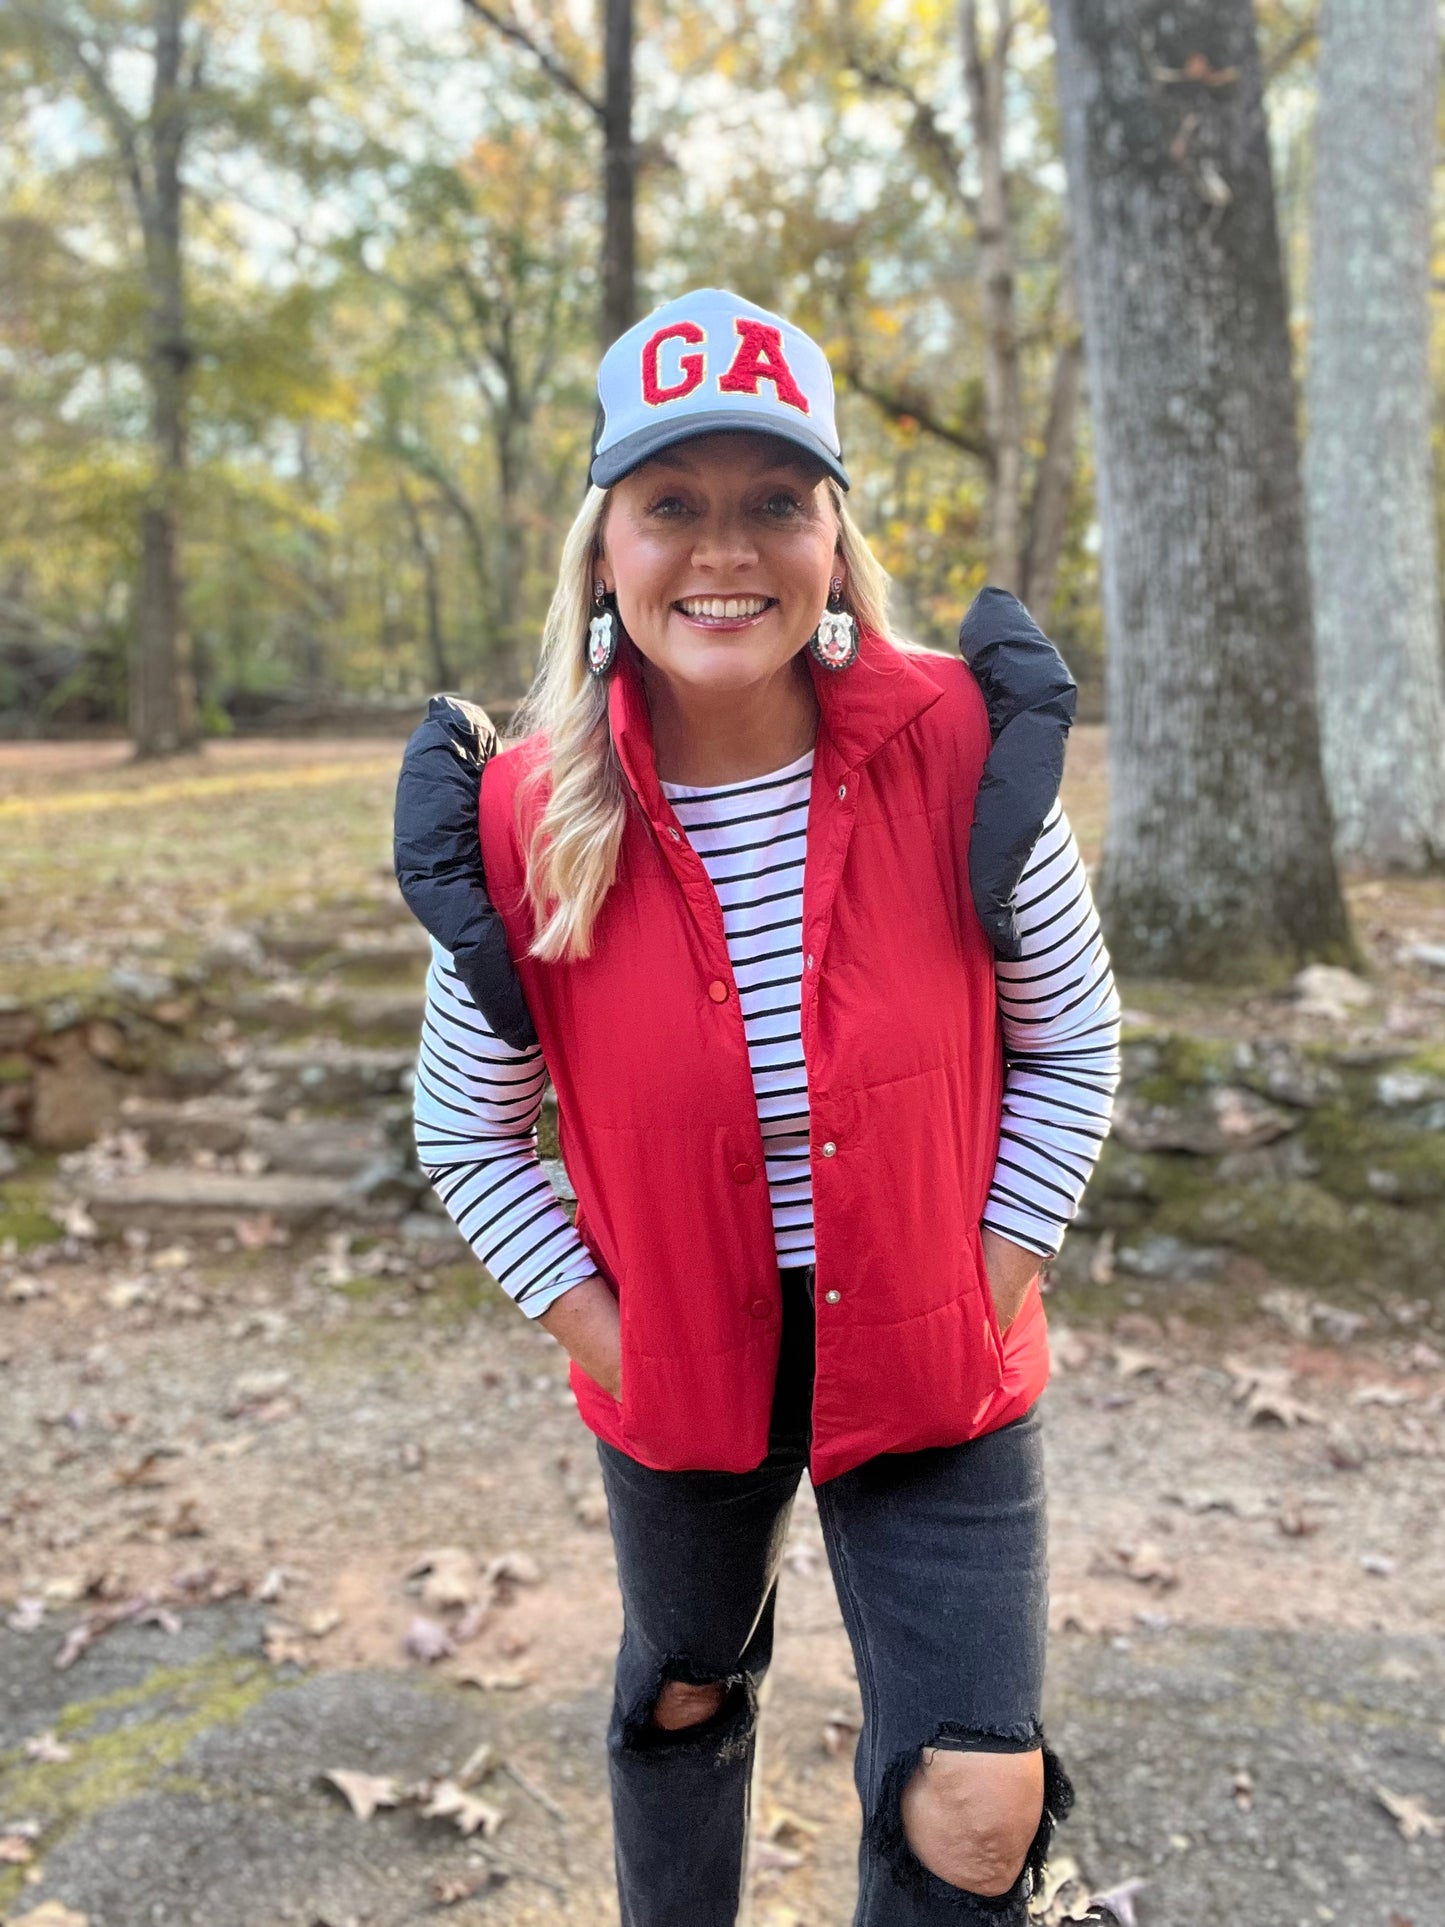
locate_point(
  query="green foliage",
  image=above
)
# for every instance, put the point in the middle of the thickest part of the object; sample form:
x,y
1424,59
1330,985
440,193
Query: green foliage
x,y
391,277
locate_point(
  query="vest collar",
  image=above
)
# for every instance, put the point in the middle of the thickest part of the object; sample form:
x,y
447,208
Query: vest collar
x,y
859,709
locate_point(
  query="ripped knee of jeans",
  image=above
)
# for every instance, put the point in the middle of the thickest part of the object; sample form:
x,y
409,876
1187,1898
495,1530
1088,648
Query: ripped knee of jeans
x,y
723,1735
890,1842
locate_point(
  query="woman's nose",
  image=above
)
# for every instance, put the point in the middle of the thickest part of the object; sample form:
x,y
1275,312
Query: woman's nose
x,y
723,541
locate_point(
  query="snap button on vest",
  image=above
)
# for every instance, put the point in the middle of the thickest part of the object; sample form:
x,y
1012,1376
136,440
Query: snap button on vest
x,y
744,1173
760,1308
831,1297
718,991
829,1149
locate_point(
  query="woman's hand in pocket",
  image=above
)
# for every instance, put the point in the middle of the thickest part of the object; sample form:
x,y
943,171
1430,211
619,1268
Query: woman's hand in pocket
x,y
1011,1270
584,1322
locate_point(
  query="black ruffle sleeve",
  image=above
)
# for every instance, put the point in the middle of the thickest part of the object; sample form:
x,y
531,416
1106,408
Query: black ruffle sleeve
x,y
437,855
1031,698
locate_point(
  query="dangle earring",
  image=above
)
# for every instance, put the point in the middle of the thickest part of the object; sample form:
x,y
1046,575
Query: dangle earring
x,y
602,631
834,643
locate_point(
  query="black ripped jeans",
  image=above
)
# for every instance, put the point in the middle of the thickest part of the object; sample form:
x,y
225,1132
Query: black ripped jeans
x,y
939,1562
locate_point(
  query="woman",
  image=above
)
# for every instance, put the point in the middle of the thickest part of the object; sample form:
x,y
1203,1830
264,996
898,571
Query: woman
x,y
822,1137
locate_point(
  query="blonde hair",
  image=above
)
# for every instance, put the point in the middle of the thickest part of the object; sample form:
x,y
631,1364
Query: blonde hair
x,y
573,847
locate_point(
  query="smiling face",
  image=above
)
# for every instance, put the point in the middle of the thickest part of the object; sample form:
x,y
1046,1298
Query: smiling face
x,y
721,552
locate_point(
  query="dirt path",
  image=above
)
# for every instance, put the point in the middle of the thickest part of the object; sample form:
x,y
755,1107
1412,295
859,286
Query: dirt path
x,y
305,1425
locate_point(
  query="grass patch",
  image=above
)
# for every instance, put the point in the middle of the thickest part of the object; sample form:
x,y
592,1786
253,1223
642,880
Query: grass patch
x,y
174,1706
24,1207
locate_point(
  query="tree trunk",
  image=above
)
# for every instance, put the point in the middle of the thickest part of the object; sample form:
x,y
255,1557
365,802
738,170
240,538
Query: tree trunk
x,y
619,238
163,707
984,75
1054,481
1368,471
431,589
1217,857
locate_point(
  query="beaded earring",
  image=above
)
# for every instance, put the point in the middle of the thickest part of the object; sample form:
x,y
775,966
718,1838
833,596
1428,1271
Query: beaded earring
x,y
602,631
834,643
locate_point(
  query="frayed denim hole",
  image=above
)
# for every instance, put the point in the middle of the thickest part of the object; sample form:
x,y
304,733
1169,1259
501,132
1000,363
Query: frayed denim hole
x,y
890,1843
724,1736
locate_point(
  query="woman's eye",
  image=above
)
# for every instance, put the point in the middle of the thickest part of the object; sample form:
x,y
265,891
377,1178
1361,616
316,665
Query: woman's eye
x,y
668,507
783,503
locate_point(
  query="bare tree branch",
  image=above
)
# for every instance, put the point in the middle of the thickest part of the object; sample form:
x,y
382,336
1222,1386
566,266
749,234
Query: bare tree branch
x,y
97,83
926,131
907,405
545,58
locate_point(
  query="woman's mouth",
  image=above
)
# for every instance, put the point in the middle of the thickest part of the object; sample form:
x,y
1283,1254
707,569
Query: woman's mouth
x,y
724,612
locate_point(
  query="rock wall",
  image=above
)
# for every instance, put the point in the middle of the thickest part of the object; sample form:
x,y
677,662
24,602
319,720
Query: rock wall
x,y
1324,1165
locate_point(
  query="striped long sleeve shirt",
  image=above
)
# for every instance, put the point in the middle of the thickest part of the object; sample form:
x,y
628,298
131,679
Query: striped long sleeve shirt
x,y
477,1100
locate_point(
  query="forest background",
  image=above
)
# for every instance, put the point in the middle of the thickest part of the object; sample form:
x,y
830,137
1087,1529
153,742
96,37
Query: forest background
x,y
391,256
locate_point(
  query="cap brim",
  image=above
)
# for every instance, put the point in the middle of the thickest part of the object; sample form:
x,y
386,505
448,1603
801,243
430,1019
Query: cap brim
x,y
633,450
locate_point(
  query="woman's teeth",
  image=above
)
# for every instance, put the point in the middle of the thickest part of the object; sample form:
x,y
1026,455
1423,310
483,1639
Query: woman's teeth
x,y
724,608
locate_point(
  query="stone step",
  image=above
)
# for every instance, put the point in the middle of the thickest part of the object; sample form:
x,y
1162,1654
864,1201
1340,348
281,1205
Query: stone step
x,y
338,1147
173,1198
381,1016
174,1127
324,1076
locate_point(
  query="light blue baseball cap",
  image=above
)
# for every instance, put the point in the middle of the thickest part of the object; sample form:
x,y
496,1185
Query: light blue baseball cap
x,y
706,363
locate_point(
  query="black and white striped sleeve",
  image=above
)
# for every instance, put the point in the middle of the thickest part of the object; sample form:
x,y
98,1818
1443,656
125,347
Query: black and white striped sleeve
x,y
475,1106
1060,1015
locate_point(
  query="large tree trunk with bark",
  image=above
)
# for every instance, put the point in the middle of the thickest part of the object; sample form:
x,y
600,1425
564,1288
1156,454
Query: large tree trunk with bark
x,y
619,239
163,708
1217,858
1368,469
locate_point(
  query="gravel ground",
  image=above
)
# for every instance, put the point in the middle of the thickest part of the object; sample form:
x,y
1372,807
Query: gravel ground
x,y
1246,1556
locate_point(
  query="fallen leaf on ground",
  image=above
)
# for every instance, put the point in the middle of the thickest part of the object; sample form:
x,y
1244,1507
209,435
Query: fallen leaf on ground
x,y
449,1888
1119,1901
142,1609
286,1646
494,1682
1264,1391
255,1390
16,1850
143,1475
449,1579
255,1233
1144,1563
47,1749
1244,1789
364,1792
766,1856
50,1913
839,1728
448,1801
1386,1395
787,1828
520,1567
1129,1362
427,1641
1411,1816
1380,1564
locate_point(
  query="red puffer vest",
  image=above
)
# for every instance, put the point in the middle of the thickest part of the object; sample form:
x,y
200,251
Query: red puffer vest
x,y
659,1123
